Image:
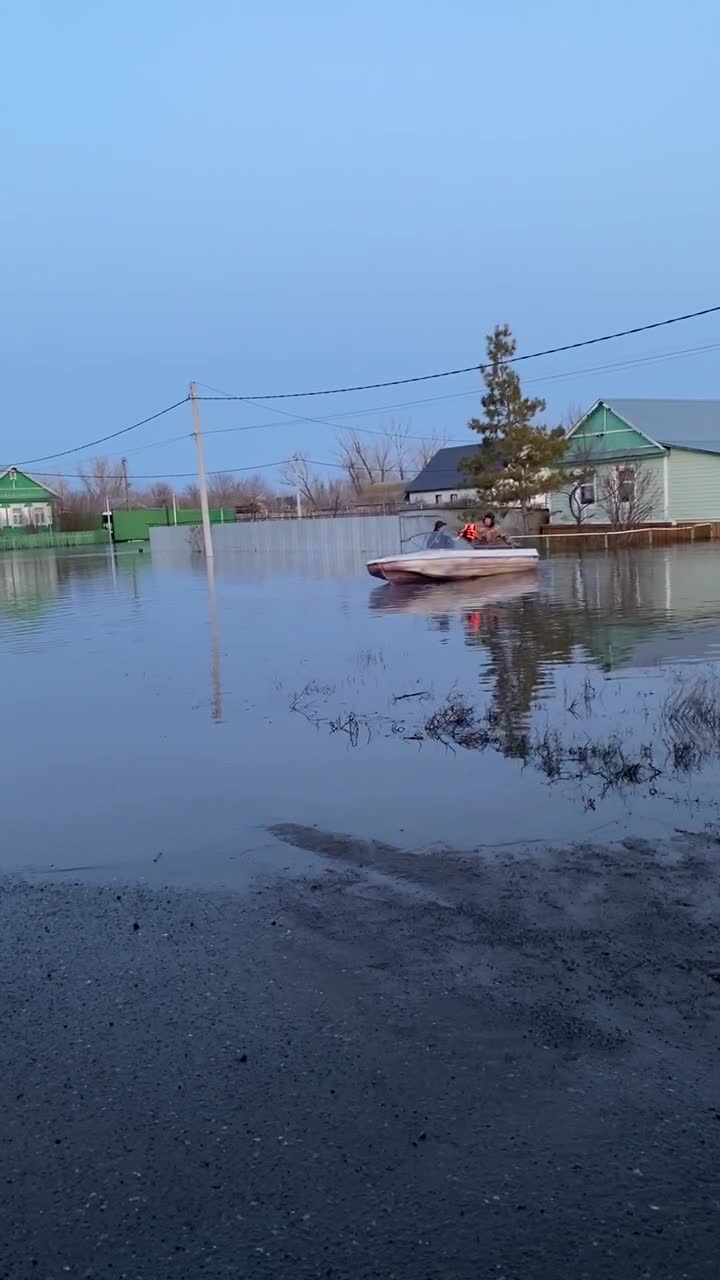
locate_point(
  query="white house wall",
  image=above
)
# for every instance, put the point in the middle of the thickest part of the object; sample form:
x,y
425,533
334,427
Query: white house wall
x,y
560,507
694,485
444,498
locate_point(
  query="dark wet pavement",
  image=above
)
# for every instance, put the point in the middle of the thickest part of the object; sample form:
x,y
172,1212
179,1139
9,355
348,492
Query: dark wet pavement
x,y
397,1066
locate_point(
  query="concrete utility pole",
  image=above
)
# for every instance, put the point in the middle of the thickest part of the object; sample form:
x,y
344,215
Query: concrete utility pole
x,y
123,464
107,513
202,475
298,496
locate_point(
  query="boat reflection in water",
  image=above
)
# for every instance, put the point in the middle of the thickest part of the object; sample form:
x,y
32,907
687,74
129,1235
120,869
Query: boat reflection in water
x,y
453,597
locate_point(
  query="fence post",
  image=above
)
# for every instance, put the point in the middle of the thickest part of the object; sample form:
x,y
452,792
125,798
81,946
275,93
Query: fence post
x,y
651,536
692,532
606,542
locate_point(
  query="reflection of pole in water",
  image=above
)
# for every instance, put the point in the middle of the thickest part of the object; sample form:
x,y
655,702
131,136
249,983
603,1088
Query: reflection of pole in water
x,y
107,517
217,707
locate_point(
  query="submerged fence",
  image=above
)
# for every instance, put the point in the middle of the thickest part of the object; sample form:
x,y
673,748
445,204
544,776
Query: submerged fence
x,y
49,539
606,539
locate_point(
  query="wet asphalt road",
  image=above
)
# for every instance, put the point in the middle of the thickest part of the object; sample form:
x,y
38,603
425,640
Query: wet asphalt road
x,y
398,1067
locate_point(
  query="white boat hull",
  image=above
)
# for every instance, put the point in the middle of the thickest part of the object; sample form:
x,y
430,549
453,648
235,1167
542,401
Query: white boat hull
x,y
452,566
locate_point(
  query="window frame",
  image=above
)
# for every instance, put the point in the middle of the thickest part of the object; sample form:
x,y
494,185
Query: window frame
x,y
626,485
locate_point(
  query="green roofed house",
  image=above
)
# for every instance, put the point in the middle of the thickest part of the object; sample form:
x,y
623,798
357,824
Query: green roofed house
x,y
668,449
24,501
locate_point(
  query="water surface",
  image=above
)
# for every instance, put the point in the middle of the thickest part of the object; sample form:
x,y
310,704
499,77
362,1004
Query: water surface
x,y
153,725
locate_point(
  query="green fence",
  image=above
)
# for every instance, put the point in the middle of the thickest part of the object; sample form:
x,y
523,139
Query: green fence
x,y
43,540
131,526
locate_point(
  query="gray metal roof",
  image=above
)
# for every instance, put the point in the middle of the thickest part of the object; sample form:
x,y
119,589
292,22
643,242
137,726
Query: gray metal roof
x,y
443,471
678,424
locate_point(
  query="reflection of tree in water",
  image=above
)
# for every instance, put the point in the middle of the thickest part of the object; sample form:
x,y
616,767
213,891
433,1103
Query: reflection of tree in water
x,y
523,638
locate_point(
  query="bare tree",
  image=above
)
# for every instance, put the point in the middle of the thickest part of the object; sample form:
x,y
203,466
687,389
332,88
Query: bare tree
x,y
101,479
59,485
580,487
628,494
318,492
160,494
366,461
255,495
222,489
426,448
190,496
572,415
392,454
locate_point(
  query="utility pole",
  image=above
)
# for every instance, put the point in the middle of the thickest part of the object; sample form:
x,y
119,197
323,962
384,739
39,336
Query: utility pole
x,y
123,464
202,475
298,496
107,514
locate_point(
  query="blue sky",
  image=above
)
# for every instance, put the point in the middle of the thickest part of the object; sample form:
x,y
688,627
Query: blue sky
x,y
271,196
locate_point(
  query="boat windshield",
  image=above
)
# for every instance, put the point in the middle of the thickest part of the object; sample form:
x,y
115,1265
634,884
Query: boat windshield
x,y
440,542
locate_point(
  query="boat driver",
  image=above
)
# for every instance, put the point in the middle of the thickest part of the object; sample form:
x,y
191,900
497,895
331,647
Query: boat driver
x,y
437,540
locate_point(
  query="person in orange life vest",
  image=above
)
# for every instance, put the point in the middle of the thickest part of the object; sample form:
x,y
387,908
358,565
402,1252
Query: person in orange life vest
x,y
469,533
488,532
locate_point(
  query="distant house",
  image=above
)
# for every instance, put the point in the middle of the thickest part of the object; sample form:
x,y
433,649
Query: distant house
x,y
442,482
25,501
673,446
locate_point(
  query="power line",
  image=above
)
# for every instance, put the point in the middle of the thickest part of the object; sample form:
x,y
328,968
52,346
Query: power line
x,y
156,444
394,382
636,361
63,453
475,368
179,475
453,395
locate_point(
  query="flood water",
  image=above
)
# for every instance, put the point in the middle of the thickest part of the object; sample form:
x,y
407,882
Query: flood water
x,y
156,727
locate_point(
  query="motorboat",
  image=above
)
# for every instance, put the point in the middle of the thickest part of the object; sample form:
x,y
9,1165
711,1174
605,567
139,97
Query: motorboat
x,y
453,564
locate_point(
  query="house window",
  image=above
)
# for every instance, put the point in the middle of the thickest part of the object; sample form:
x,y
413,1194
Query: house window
x,y
626,484
438,499
587,493
17,516
453,497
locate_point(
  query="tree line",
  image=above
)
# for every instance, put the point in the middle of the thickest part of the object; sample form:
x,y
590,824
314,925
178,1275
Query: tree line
x,y
368,470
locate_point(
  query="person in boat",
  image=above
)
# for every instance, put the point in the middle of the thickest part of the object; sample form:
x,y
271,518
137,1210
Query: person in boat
x,y
488,534
437,540
469,533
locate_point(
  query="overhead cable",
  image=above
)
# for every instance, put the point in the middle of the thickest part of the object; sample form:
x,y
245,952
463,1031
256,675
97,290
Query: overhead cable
x,y
113,435
475,368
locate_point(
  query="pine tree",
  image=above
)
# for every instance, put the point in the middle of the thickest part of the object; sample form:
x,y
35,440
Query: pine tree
x,y
517,458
